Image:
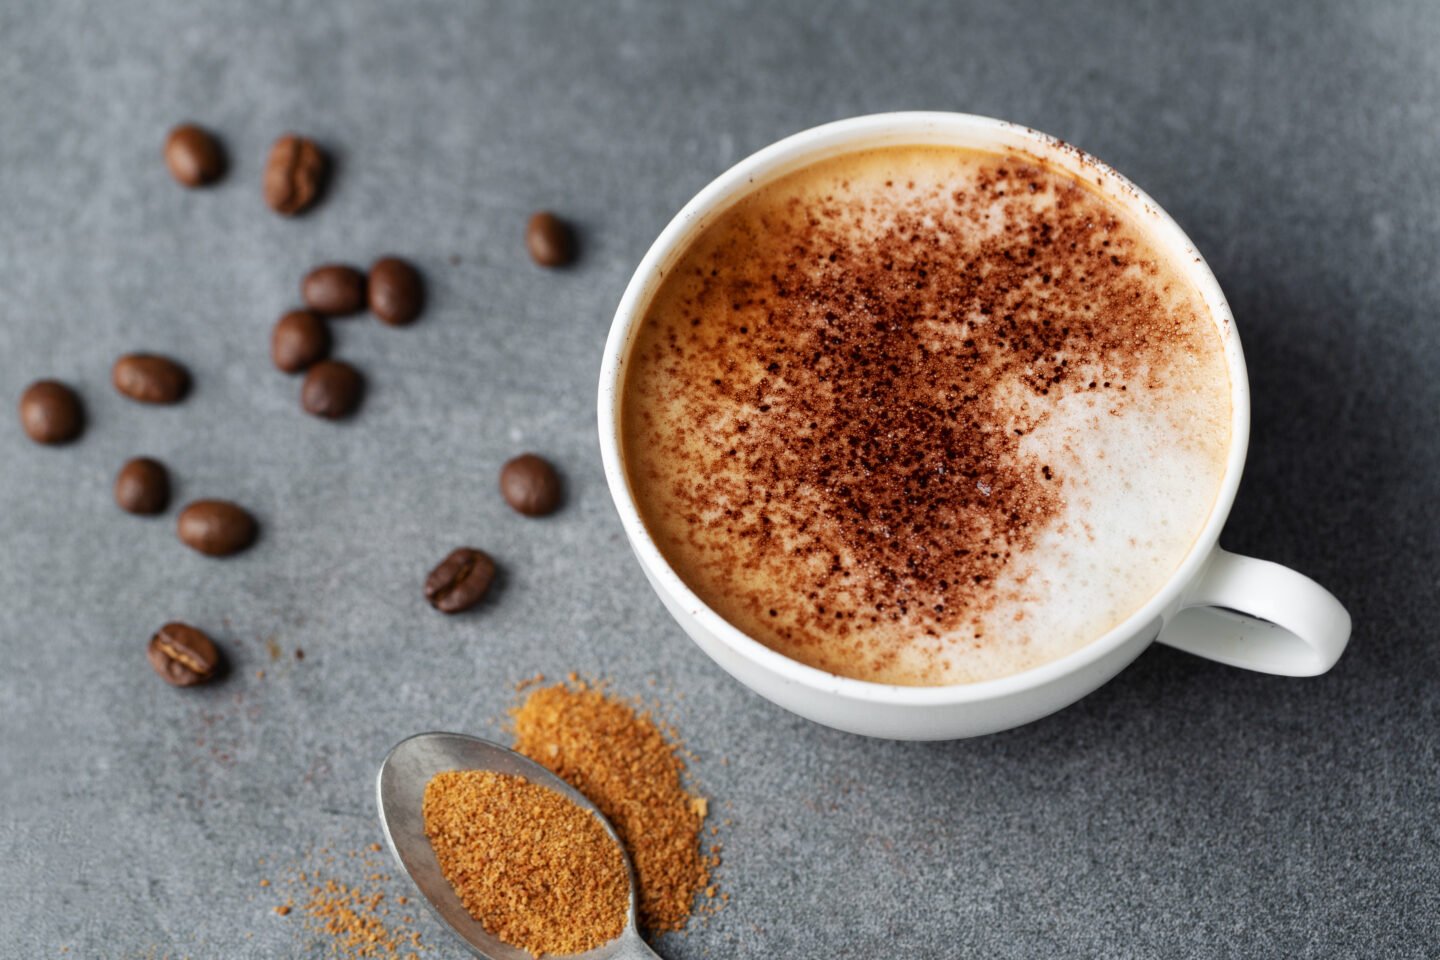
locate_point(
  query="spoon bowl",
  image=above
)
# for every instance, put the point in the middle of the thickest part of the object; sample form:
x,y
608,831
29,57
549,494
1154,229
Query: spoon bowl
x,y
400,792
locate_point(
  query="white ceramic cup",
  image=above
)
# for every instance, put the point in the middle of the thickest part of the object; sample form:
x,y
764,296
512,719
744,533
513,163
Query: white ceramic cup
x,y
1244,612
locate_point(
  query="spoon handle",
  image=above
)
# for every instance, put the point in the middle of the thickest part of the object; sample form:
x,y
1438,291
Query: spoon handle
x,y
631,946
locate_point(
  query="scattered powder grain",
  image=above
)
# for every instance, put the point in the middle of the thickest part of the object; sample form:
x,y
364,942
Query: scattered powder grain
x,y
355,919
619,758
538,871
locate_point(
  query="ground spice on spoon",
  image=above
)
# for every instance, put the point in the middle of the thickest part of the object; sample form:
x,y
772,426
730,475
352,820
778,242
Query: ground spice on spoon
x,y
620,759
539,872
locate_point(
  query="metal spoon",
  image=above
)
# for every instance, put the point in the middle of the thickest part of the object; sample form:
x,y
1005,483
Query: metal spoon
x,y
400,791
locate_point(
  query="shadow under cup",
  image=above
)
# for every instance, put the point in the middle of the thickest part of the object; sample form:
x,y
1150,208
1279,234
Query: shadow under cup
x,y
1293,625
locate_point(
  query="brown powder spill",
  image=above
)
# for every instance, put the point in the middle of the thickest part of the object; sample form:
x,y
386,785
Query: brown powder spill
x,y
621,760
354,918
539,872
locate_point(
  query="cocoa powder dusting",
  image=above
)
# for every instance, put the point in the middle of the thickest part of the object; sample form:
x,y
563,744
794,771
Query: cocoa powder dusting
x,y
859,373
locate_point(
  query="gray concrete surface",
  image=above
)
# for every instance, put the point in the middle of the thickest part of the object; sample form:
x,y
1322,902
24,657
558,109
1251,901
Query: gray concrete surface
x,y
1186,809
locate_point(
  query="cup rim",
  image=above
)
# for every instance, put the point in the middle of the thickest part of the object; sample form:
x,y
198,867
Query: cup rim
x,y
910,128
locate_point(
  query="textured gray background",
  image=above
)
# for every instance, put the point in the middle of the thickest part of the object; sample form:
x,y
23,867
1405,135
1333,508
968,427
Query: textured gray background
x,y
1186,809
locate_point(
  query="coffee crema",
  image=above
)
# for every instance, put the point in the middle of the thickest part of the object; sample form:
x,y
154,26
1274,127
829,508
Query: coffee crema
x,y
925,415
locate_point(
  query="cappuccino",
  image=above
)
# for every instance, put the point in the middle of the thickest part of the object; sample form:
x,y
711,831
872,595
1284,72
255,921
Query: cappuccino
x,y
925,415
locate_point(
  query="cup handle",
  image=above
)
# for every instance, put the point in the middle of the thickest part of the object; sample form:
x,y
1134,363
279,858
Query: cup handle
x,y
1261,616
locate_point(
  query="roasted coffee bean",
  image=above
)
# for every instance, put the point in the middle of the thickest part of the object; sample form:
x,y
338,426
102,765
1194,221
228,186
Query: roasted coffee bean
x,y
150,378
332,389
334,290
549,240
397,293
294,174
530,485
194,156
460,581
183,655
143,486
301,339
216,528
50,412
